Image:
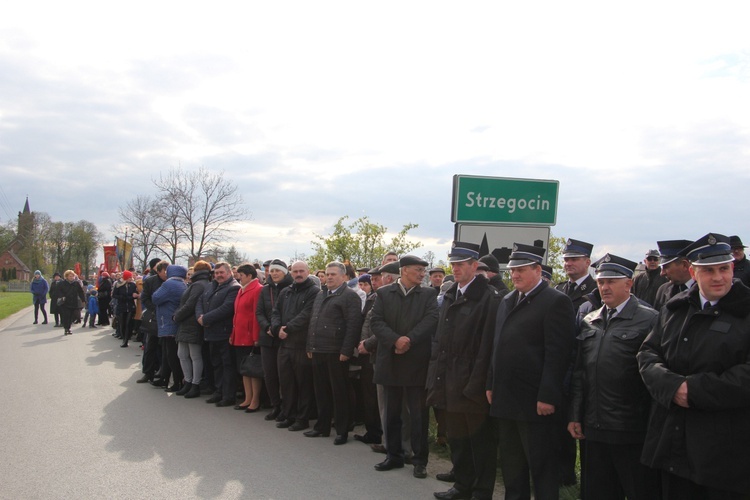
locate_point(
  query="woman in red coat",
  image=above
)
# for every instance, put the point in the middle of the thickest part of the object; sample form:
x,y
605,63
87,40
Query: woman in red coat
x,y
244,338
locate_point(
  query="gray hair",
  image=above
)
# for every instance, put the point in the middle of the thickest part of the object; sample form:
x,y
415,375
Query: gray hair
x,y
341,267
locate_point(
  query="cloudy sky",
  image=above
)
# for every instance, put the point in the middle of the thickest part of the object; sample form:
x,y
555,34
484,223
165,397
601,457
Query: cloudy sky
x,y
323,109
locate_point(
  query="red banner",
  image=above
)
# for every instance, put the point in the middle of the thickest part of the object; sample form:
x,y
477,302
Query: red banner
x,y
110,258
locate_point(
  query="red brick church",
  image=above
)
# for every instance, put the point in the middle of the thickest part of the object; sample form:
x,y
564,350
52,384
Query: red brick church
x,y
10,260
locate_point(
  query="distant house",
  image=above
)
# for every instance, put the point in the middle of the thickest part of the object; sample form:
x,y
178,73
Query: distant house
x,y
10,261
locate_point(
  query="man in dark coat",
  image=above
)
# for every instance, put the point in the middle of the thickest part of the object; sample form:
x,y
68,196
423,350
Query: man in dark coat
x,y
534,336
332,337
277,278
696,365
741,264
461,350
151,354
676,268
404,318
289,322
104,296
609,404
215,312
647,283
579,287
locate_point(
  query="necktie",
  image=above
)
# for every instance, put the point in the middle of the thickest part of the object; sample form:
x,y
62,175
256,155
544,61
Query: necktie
x,y
458,294
571,287
706,305
521,296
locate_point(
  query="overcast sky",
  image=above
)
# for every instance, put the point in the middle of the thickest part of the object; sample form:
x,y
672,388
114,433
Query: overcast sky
x,y
323,109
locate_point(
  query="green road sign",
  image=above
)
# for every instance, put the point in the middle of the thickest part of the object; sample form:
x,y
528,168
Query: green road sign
x,y
503,200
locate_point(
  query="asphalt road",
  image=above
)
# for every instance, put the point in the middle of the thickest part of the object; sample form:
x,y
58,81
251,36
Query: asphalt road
x,y
74,424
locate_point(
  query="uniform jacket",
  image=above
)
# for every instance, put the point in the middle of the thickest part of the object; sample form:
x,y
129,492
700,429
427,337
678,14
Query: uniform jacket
x,y
742,271
217,308
245,329
665,293
497,282
293,310
462,347
531,353
578,296
708,443
646,284
335,322
188,328
394,315
167,300
607,393
269,295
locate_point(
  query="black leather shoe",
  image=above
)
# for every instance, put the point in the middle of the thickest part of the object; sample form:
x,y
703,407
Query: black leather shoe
x,y
213,399
365,439
274,413
420,471
341,439
185,389
240,407
285,424
313,434
225,402
389,464
298,426
144,379
448,477
159,382
174,388
123,345
251,410
378,448
453,494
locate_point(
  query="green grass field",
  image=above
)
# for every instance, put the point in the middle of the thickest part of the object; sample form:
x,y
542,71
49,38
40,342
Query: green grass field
x,y
11,302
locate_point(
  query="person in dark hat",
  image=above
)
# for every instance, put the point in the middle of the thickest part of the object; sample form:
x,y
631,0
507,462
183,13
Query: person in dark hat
x,y
534,336
676,268
547,273
461,350
494,274
104,296
54,294
647,283
741,264
695,366
609,404
404,318
579,287
153,361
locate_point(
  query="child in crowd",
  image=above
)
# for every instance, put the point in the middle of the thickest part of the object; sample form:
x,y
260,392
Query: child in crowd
x,y
92,309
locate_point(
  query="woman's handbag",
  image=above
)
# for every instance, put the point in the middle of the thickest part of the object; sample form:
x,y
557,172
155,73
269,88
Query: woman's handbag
x,y
60,301
251,366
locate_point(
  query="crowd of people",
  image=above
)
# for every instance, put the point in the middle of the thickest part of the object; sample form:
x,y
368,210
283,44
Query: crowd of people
x,y
645,377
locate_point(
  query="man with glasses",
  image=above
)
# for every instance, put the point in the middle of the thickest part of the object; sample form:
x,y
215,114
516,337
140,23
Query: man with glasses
x,y
404,318
647,283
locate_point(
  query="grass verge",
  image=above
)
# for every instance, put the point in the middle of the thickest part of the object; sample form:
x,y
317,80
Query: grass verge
x,y
12,302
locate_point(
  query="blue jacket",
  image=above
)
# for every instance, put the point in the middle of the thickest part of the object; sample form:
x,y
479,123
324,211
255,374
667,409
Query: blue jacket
x,y
167,300
93,307
39,287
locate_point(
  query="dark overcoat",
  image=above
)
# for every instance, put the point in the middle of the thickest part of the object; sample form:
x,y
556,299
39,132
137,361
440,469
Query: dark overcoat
x,y
335,322
462,347
188,328
709,442
217,308
531,353
394,315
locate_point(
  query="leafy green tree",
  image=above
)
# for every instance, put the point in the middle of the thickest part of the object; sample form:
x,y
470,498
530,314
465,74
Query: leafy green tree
x,y
361,243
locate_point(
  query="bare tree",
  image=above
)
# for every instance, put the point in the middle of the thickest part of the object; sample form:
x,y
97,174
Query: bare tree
x,y
141,217
202,205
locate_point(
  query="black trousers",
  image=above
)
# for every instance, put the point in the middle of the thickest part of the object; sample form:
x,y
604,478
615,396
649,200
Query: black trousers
x,y
104,311
269,358
331,393
38,306
614,471
415,399
66,317
373,425
473,452
225,376
125,326
296,382
151,356
170,348
529,447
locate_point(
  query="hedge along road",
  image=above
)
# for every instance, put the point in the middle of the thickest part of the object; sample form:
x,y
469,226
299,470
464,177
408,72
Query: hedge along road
x,y
76,425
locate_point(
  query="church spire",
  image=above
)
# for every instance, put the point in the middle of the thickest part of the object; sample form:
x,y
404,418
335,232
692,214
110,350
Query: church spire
x,y
26,209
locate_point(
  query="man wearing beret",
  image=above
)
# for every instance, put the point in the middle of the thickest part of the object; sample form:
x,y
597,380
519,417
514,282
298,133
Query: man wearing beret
x,y
461,349
534,336
404,318
609,404
696,365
